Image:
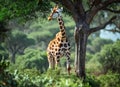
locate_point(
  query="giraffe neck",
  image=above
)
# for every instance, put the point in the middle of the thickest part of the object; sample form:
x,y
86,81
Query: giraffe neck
x,y
62,27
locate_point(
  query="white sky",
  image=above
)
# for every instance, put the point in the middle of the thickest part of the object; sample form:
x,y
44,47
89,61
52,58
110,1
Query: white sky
x,y
109,35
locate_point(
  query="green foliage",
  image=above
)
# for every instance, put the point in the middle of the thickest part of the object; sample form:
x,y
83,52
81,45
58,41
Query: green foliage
x,y
27,78
93,66
21,8
6,79
33,62
96,44
53,78
19,37
41,38
17,42
32,58
49,79
89,56
3,31
93,81
110,80
3,53
110,57
3,65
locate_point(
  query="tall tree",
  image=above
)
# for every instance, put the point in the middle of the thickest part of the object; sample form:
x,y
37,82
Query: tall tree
x,y
83,16
17,42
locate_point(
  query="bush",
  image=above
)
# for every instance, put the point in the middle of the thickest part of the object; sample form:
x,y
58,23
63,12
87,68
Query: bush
x,y
6,78
110,80
52,78
93,66
110,57
3,53
31,59
27,77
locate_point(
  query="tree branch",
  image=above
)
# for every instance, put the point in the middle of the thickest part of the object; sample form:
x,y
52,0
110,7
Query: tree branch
x,y
74,6
114,11
66,3
79,6
107,2
94,10
114,30
101,26
94,3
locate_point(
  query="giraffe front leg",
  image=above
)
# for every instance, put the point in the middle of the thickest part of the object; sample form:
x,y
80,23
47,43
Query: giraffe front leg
x,y
57,65
51,61
68,62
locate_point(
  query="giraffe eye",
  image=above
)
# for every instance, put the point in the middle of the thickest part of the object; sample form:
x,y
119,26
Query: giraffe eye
x,y
55,15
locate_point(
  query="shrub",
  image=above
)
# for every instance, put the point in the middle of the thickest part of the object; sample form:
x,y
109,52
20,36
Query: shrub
x,y
31,59
93,66
92,81
110,57
110,80
52,78
6,78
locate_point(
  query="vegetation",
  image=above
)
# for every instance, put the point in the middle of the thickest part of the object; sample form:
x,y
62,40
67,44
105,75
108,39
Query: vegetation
x,y
24,36
109,57
32,65
16,43
6,78
53,78
11,9
32,59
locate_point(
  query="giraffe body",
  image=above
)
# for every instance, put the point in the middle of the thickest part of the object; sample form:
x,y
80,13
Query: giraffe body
x,y
59,46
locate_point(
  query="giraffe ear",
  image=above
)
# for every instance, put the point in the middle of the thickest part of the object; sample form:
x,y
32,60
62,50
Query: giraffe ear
x,y
61,8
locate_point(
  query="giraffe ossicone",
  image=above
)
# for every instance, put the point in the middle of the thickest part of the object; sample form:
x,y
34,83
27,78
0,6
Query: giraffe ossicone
x,y
60,45
56,12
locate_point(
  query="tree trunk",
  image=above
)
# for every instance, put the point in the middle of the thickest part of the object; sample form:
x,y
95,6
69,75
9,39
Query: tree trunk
x,y
13,57
81,37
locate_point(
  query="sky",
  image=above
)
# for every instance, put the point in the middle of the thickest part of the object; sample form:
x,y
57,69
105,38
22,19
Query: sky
x,y
109,35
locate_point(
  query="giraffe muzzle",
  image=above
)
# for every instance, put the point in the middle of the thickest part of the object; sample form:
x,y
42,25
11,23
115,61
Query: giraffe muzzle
x,y
49,18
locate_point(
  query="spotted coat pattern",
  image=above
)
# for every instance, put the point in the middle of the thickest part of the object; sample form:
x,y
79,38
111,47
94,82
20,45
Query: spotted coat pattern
x,y
59,47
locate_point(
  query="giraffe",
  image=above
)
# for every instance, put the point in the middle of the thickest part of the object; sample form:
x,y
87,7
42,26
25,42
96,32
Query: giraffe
x,y
59,46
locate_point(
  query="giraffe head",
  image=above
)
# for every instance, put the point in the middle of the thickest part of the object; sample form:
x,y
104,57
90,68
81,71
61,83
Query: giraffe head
x,y
55,12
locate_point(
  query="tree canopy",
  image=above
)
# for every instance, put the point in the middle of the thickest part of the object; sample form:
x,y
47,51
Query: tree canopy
x,y
91,8
21,8
17,42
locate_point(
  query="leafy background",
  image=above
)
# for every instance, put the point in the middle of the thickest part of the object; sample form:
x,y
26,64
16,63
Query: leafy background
x,y
27,40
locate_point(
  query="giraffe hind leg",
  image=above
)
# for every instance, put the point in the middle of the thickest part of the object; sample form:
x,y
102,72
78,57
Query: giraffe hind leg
x,y
57,61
